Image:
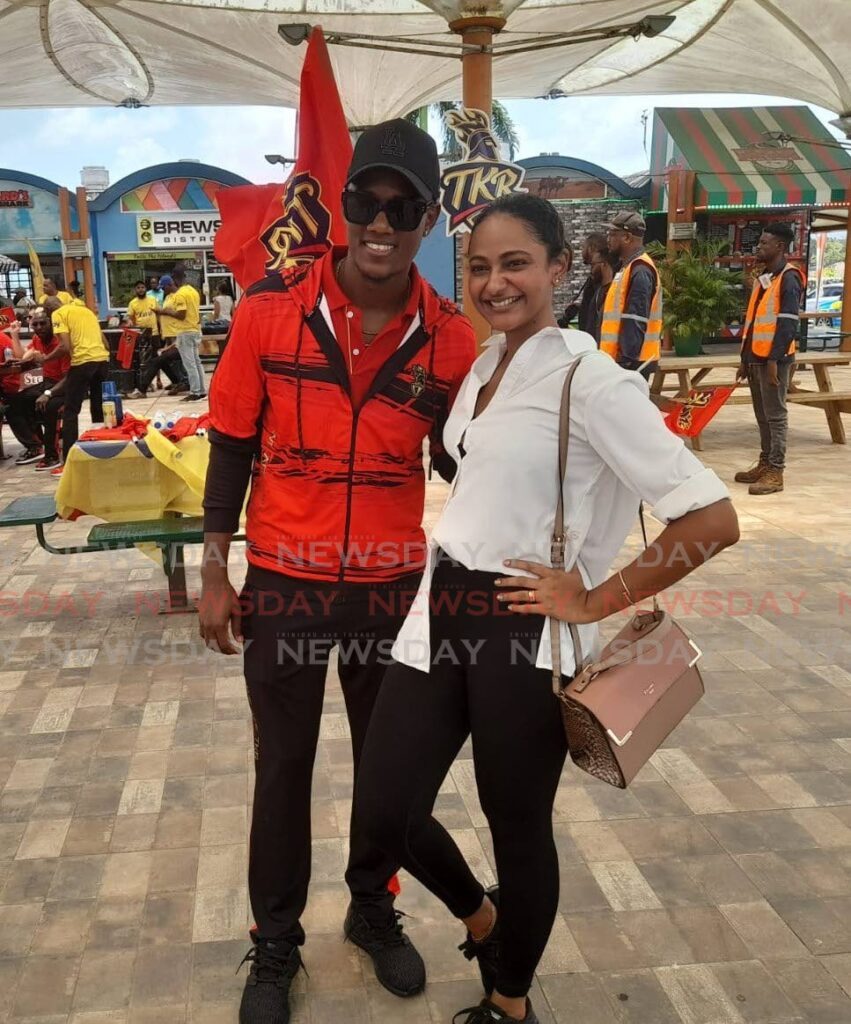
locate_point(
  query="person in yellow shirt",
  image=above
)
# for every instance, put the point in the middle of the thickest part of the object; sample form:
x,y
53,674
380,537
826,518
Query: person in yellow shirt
x,y
76,298
52,291
80,336
180,319
141,311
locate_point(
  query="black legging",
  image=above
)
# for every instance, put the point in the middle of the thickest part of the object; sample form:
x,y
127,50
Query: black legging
x,y
482,682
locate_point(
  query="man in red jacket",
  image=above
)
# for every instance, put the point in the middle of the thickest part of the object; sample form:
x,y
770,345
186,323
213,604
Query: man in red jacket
x,y
332,378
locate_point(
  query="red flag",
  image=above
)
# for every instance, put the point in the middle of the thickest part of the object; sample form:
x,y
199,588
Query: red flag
x,y
687,418
127,347
267,228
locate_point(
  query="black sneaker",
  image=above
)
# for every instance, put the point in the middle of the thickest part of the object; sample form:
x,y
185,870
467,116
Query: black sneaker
x,y
486,951
487,1013
29,455
398,966
266,997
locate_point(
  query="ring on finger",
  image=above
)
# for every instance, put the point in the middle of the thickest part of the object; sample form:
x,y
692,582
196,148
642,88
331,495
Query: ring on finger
x,y
530,596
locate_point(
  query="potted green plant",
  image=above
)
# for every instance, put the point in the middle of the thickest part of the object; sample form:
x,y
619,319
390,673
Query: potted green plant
x,y
698,295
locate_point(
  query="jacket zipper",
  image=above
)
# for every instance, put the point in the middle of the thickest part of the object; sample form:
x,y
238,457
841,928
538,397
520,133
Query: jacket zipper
x,y
344,553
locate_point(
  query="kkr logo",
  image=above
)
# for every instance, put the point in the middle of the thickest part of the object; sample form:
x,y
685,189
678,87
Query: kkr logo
x,y
304,230
481,178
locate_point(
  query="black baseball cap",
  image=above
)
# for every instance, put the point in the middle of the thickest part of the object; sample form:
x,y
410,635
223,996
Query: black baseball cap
x,y
402,147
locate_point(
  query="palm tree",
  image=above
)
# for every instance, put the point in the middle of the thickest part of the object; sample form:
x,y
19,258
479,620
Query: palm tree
x,y
501,121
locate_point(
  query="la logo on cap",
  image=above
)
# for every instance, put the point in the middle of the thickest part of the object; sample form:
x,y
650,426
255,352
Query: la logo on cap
x,y
392,144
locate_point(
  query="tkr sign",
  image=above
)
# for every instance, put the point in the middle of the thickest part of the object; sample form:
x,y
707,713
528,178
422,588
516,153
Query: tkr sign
x,y
481,177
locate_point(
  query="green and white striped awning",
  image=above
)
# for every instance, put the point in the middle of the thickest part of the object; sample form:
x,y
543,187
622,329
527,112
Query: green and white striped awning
x,y
739,164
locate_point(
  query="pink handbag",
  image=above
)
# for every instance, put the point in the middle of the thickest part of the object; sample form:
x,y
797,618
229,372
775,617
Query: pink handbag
x,y
619,709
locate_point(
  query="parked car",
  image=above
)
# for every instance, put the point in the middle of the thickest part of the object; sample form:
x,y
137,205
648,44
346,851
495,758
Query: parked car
x,y
829,290
830,304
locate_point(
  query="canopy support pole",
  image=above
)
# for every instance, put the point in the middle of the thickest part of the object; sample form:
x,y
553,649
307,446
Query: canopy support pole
x,y
477,94
86,263
845,344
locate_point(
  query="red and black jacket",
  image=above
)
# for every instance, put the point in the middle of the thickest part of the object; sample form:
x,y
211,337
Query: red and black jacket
x,y
337,493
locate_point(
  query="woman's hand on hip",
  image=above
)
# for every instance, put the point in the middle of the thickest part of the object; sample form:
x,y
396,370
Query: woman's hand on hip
x,y
558,593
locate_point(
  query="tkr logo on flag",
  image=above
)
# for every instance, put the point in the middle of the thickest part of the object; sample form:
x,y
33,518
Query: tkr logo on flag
x,y
688,417
303,231
268,228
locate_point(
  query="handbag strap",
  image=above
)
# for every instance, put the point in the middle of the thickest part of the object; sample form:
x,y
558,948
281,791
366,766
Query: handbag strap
x,y
557,544
656,611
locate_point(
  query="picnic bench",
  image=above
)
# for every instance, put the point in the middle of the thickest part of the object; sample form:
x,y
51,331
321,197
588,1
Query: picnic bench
x,y
170,534
691,372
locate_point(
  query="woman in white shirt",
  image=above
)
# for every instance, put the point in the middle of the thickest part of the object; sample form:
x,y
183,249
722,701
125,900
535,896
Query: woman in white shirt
x,y
222,306
472,656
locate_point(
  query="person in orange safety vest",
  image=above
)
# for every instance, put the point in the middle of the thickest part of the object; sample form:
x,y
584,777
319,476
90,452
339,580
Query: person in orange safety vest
x,y
768,353
631,330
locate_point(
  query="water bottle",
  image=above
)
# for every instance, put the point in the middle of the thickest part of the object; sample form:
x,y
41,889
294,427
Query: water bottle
x,y
158,420
8,355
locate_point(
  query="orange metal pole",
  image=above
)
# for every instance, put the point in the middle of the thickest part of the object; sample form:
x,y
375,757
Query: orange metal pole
x,y
65,228
845,346
477,94
87,264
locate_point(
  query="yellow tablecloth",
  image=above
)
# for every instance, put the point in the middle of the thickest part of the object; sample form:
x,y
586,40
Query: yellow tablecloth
x,y
121,481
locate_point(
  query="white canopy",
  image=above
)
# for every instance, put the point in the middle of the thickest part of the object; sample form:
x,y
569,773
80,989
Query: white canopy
x,y
167,52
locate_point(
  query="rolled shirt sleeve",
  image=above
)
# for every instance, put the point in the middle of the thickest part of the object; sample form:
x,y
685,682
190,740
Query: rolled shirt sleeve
x,y
629,435
789,316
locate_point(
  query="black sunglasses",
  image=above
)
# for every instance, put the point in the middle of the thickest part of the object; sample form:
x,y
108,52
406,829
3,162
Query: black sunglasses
x,y
402,214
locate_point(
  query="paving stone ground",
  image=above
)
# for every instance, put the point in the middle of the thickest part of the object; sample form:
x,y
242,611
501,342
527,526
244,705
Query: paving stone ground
x,y
717,890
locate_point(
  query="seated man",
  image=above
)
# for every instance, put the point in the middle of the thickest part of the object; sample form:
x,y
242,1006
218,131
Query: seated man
x,y
34,409
12,408
50,397
171,364
79,336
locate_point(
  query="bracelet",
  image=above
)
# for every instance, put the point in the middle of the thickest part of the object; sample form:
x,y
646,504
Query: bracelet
x,y
626,593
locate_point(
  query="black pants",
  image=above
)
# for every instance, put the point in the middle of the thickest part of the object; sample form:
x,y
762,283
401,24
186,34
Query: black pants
x,y
21,416
40,425
82,380
169,362
482,682
292,626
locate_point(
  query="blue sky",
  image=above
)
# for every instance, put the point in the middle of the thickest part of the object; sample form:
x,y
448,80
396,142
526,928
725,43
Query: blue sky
x,y
56,144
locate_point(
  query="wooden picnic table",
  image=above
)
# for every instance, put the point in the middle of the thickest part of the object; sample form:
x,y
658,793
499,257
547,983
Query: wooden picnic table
x,y
691,372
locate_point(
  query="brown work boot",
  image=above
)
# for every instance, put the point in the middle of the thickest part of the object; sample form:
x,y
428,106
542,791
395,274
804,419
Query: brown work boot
x,y
770,482
750,476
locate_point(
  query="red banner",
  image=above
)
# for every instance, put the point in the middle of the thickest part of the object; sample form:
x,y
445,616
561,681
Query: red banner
x,y
268,228
127,347
689,417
